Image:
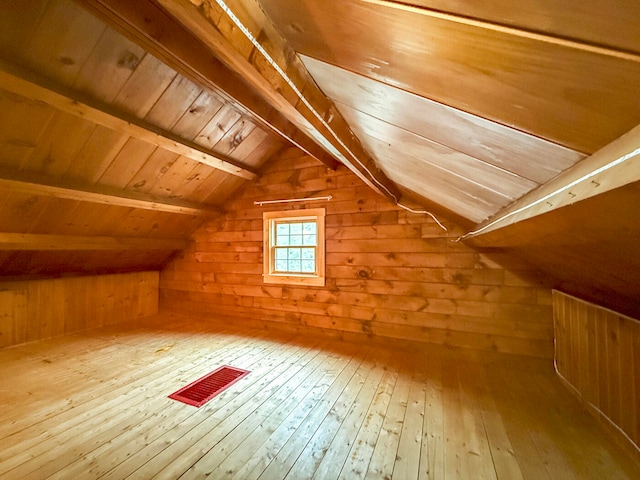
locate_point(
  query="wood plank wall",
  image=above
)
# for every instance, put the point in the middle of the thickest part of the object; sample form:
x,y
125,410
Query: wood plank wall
x,y
597,354
38,309
389,273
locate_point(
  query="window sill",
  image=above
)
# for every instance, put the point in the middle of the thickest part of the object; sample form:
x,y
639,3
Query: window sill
x,y
311,280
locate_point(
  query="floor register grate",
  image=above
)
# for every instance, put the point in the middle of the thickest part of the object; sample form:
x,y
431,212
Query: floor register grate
x,y
205,388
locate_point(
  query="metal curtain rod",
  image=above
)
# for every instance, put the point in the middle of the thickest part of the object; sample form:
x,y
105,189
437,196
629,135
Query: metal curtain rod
x,y
291,200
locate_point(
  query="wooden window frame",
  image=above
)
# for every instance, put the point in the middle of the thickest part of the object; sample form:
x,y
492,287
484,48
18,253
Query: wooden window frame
x,y
269,220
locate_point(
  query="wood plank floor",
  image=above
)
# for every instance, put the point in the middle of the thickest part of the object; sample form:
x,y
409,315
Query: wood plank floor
x,y
95,405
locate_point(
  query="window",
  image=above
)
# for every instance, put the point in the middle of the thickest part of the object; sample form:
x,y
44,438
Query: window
x,y
294,247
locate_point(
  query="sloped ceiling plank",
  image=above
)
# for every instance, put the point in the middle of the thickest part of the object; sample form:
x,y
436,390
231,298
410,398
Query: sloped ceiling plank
x,y
611,167
405,142
104,195
65,37
25,83
524,155
156,167
22,124
144,87
575,97
108,67
177,99
20,22
454,192
147,25
59,145
218,32
590,21
26,241
101,148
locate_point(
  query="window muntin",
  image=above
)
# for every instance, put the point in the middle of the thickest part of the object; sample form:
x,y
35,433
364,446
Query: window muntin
x,y
294,246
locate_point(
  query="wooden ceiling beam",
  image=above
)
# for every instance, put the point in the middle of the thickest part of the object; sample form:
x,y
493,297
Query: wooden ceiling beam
x,y
509,30
614,166
37,185
150,27
27,84
30,241
274,70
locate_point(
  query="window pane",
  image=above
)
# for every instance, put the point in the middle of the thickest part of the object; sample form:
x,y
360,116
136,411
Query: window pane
x,y
282,229
309,228
308,266
294,253
295,240
309,240
281,253
282,240
295,228
294,266
281,265
308,253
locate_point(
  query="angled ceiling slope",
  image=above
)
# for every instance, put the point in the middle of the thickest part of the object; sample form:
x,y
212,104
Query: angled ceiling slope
x,y
109,157
475,107
469,109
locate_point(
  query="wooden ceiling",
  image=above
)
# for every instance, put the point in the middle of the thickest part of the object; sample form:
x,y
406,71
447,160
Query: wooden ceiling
x,y
470,106
103,147
124,125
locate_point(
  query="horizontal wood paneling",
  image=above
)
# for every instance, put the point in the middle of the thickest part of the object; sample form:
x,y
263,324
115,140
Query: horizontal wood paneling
x,y
389,273
597,354
39,309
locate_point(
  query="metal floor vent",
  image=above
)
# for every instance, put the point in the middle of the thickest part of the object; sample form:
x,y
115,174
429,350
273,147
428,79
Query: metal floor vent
x,y
204,389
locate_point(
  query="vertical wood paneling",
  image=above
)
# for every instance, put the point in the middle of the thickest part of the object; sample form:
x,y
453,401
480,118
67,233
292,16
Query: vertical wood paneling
x,y
604,373
389,273
40,309
12,316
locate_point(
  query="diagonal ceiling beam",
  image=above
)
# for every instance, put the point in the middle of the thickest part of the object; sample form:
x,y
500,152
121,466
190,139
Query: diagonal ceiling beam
x,y
611,167
150,27
19,81
41,186
31,241
243,38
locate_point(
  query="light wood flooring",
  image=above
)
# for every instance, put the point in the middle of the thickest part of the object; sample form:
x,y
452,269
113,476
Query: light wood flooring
x,y
95,405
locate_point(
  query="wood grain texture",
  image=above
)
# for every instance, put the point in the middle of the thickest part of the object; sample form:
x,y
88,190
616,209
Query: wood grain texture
x,y
280,77
99,180
31,241
508,149
583,20
611,167
147,25
312,407
103,195
40,309
389,274
575,97
20,82
589,249
597,356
